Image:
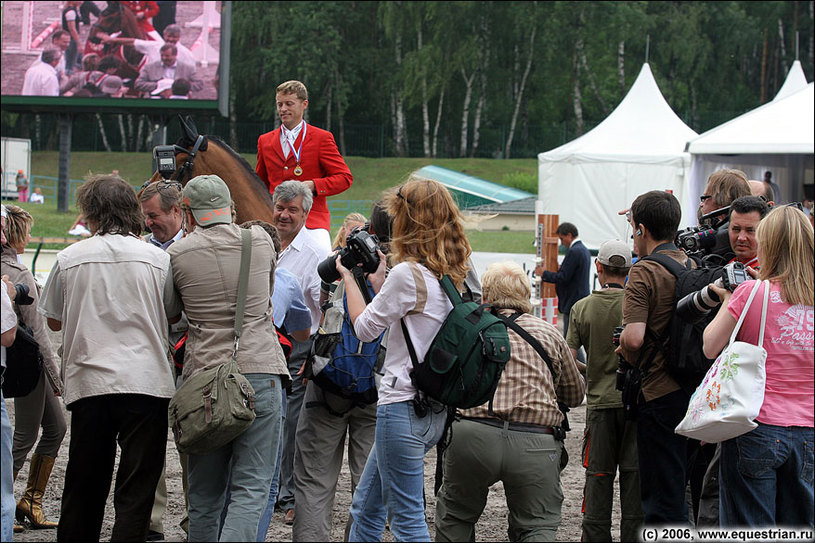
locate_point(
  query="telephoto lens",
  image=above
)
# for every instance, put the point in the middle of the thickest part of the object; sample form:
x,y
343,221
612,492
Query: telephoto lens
x,y
697,305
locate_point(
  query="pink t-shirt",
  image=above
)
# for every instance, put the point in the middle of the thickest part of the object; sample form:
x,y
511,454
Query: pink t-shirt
x,y
788,339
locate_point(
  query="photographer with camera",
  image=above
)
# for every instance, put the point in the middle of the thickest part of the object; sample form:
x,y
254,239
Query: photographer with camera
x,y
711,236
330,414
648,306
302,251
41,407
763,472
745,214
610,439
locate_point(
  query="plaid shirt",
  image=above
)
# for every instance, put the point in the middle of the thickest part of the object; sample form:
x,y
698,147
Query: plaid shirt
x,y
527,392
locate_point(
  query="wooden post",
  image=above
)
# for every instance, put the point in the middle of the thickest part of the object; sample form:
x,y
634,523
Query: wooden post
x,y
546,257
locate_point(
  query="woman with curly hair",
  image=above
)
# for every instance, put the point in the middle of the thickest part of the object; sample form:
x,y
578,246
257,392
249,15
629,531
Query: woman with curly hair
x,y
427,243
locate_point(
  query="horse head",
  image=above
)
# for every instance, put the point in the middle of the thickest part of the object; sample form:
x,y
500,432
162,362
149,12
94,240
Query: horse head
x,y
195,156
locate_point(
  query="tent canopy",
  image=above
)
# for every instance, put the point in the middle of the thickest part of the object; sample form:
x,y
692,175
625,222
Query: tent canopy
x,y
637,148
778,137
795,81
780,126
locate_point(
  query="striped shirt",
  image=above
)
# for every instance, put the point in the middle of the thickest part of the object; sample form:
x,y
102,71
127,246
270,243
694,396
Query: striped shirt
x,y
527,393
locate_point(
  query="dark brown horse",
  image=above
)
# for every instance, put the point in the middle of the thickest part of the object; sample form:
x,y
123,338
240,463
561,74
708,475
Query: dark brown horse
x,y
213,156
117,18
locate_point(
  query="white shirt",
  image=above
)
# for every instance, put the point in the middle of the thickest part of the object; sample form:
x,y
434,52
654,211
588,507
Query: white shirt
x,y
397,297
110,293
169,71
152,48
41,80
301,258
288,137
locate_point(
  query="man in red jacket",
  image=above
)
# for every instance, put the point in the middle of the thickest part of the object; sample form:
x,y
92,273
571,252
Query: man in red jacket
x,y
302,152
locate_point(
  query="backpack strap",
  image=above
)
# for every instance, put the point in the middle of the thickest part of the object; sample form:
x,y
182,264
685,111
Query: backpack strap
x,y
526,336
421,289
243,282
660,342
510,322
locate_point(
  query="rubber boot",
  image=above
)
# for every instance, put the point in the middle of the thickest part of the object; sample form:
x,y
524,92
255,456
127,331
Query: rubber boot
x,y
30,505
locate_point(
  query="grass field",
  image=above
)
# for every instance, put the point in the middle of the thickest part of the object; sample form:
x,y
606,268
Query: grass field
x,y
371,177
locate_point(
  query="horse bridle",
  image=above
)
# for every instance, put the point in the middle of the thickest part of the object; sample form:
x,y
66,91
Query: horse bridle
x,y
186,169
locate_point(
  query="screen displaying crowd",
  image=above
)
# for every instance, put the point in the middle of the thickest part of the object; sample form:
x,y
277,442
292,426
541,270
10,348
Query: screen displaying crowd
x,y
131,49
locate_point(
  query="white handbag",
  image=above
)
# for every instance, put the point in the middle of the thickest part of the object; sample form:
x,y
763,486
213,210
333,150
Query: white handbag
x,y
730,396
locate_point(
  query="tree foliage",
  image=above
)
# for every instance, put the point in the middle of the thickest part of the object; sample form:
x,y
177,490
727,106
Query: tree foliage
x,y
398,63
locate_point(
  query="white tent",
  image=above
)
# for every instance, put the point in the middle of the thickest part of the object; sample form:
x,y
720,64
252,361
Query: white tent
x,y
637,148
778,137
795,81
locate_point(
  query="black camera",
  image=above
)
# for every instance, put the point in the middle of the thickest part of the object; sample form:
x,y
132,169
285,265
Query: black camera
x,y
622,365
696,305
22,297
360,248
164,160
696,239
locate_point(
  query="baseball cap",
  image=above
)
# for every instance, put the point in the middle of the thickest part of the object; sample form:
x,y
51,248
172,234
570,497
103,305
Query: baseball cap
x,y
209,200
614,253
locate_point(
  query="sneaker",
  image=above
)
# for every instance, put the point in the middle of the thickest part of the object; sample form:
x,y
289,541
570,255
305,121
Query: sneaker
x,y
288,518
153,535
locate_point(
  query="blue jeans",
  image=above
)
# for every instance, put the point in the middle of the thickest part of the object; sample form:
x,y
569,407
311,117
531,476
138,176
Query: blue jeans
x,y
7,501
392,482
766,478
266,516
664,458
245,465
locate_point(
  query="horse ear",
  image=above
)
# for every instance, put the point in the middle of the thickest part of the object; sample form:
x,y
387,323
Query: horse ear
x,y
188,128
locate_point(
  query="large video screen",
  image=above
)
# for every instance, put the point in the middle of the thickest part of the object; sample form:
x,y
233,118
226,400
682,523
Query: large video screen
x,y
133,55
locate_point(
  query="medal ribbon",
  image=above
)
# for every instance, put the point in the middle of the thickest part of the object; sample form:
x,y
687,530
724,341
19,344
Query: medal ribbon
x,y
299,149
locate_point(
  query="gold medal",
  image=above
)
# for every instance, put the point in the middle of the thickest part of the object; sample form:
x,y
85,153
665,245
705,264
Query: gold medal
x,y
298,170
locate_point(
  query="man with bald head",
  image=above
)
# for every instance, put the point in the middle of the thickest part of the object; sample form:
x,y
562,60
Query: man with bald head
x,y
763,189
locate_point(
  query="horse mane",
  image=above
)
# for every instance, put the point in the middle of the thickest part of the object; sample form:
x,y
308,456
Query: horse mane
x,y
242,161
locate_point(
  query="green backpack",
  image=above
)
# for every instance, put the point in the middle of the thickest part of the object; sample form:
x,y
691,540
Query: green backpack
x,y
464,362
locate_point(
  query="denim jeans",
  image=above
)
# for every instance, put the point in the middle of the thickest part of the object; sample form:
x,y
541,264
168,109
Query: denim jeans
x,y
664,458
266,516
766,478
7,501
245,465
392,482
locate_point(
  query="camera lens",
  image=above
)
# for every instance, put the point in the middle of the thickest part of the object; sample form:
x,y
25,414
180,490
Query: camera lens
x,y
327,269
697,305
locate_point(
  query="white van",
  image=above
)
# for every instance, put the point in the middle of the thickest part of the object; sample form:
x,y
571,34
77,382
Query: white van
x,y
16,155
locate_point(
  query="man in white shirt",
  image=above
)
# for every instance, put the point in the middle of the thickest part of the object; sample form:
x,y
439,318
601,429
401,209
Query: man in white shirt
x,y
301,252
41,78
110,294
152,48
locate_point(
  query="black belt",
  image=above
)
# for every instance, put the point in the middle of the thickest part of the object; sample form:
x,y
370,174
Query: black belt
x,y
514,426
